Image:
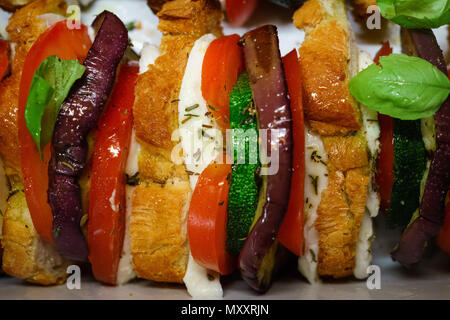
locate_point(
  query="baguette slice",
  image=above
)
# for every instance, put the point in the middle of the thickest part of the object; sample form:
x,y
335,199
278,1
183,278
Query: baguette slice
x,y
158,234
328,59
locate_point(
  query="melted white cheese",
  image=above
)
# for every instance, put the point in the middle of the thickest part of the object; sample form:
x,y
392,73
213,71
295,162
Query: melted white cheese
x,y
198,151
149,54
126,271
51,18
315,166
363,256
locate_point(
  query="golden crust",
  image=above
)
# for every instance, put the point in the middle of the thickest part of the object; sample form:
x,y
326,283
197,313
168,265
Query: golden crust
x,y
310,15
332,112
326,93
346,152
157,230
339,219
24,28
26,255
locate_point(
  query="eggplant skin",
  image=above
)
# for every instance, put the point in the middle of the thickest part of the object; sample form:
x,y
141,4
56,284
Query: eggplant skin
x,y
265,69
409,251
79,114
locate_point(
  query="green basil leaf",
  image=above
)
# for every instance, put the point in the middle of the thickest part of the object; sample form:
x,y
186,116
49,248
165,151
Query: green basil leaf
x,y
38,97
59,75
419,14
407,88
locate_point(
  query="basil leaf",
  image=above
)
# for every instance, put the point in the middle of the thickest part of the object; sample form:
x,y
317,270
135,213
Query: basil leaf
x,y
419,14
407,88
38,97
41,114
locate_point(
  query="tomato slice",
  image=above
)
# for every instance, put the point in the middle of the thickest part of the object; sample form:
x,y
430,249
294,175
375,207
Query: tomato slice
x,y
291,232
443,238
384,51
66,44
4,57
385,176
222,64
207,220
106,225
239,11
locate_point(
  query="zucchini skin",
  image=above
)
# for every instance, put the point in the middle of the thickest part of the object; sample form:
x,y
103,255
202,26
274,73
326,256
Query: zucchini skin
x,y
244,185
409,166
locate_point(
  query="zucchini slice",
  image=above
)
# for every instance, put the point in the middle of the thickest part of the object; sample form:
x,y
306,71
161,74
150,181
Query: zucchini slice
x,y
245,182
410,159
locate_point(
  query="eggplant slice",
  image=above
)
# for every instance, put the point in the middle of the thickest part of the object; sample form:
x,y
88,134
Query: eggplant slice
x,y
79,114
264,66
409,251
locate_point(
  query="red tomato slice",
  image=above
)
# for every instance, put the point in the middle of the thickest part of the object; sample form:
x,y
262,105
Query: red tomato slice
x,y
67,44
239,11
207,220
443,238
384,51
4,57
291,232
385,176
222,64
106,226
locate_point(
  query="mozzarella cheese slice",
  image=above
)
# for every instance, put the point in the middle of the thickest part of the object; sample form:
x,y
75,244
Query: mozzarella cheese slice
x,y
314,150
363,255
199,150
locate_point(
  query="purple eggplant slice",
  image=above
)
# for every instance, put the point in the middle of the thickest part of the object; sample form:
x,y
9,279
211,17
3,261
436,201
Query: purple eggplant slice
x,y
265,69
79,114
409,251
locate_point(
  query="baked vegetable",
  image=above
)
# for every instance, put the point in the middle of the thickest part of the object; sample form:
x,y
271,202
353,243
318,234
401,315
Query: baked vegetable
x,y
79,114
66,44
106,224
264,66
423,44
409,165
290,234
244,185
207,220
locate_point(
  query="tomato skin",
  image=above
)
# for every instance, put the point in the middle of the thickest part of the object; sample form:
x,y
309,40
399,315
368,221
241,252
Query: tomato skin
x,y
443,238
239,11
222,64
207,220
107,208
384,51
4,57
385,176
66,44
291,232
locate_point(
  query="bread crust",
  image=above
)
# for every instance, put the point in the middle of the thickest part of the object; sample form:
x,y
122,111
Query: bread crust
x,y
159,244
332,112
26,255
